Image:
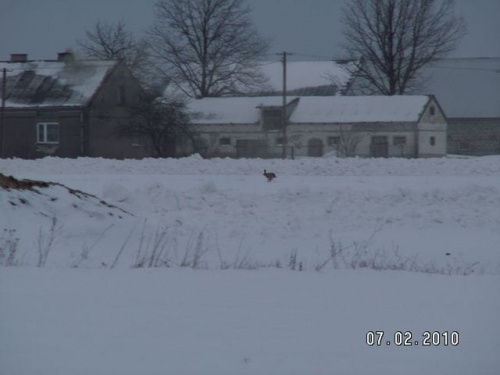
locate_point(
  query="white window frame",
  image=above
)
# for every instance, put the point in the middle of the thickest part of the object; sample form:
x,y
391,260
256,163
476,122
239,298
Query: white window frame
x,y
42,133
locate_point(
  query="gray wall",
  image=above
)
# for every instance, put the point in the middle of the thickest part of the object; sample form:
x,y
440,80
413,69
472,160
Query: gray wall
x,y
20,132
474,136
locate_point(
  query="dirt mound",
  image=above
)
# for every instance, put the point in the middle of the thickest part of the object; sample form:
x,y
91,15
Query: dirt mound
x,y
10,182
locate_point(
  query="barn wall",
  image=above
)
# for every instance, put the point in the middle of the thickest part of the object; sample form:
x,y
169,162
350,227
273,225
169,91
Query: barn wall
x,y
108,114
474,136
303,137
425,137
432,128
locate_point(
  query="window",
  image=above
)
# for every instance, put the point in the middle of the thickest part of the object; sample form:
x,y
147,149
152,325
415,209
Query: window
x,y
224,141
432,110
399,140
47,132
279,141
333,141
120,95
432,141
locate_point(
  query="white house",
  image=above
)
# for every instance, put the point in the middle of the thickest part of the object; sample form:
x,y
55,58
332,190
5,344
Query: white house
x,y
367,126
469,92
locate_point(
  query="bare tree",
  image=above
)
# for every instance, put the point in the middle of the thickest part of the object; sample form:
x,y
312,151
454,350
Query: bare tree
x,y
396,38
348,142
207,47
160,120
112,41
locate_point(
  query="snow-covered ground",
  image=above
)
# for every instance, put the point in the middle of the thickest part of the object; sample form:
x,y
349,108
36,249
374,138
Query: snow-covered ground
x,y
293,272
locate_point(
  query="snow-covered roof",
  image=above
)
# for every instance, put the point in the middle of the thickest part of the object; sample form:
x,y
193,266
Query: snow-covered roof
x,y
53,83
465,87
307,74
241,110
311,109
303,78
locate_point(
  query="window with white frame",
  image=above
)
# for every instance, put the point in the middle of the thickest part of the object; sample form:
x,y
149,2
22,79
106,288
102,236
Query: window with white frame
x,y
47,132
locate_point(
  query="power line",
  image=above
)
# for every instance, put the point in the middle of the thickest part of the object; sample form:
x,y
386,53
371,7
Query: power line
x,y
459,68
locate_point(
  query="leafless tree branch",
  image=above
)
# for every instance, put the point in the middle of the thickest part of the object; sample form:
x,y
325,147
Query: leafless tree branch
x,y
160,120
207,47
396,38
113,41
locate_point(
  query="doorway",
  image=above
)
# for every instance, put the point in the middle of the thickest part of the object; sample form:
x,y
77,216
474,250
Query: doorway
x,y
380,147
315,147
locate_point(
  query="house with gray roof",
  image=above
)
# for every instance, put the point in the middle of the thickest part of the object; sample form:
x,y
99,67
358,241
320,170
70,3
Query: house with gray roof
x,y
66,108
366,126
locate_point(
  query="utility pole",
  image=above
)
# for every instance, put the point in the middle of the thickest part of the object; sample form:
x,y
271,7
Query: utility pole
x,y
284,121
2,111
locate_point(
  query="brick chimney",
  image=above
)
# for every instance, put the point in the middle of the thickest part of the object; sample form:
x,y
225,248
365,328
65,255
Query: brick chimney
x,y
18,57
65,56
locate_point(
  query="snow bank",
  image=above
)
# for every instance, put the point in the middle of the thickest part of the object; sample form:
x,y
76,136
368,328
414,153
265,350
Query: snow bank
x,y
440,212
196,165
298,311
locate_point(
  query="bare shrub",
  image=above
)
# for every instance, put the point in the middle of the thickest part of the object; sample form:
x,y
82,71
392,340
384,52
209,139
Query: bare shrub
x,y
242,261
362,255
194,252
8,248
84,254
154,249
293,263
46,239
120,252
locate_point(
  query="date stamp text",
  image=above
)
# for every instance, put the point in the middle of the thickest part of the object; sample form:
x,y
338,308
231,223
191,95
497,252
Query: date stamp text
x,y
407,338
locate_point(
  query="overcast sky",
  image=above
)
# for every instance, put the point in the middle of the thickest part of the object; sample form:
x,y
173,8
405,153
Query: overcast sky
x,y
308,28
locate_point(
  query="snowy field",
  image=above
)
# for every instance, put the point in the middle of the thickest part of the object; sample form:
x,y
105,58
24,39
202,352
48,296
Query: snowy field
x,y
195,266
